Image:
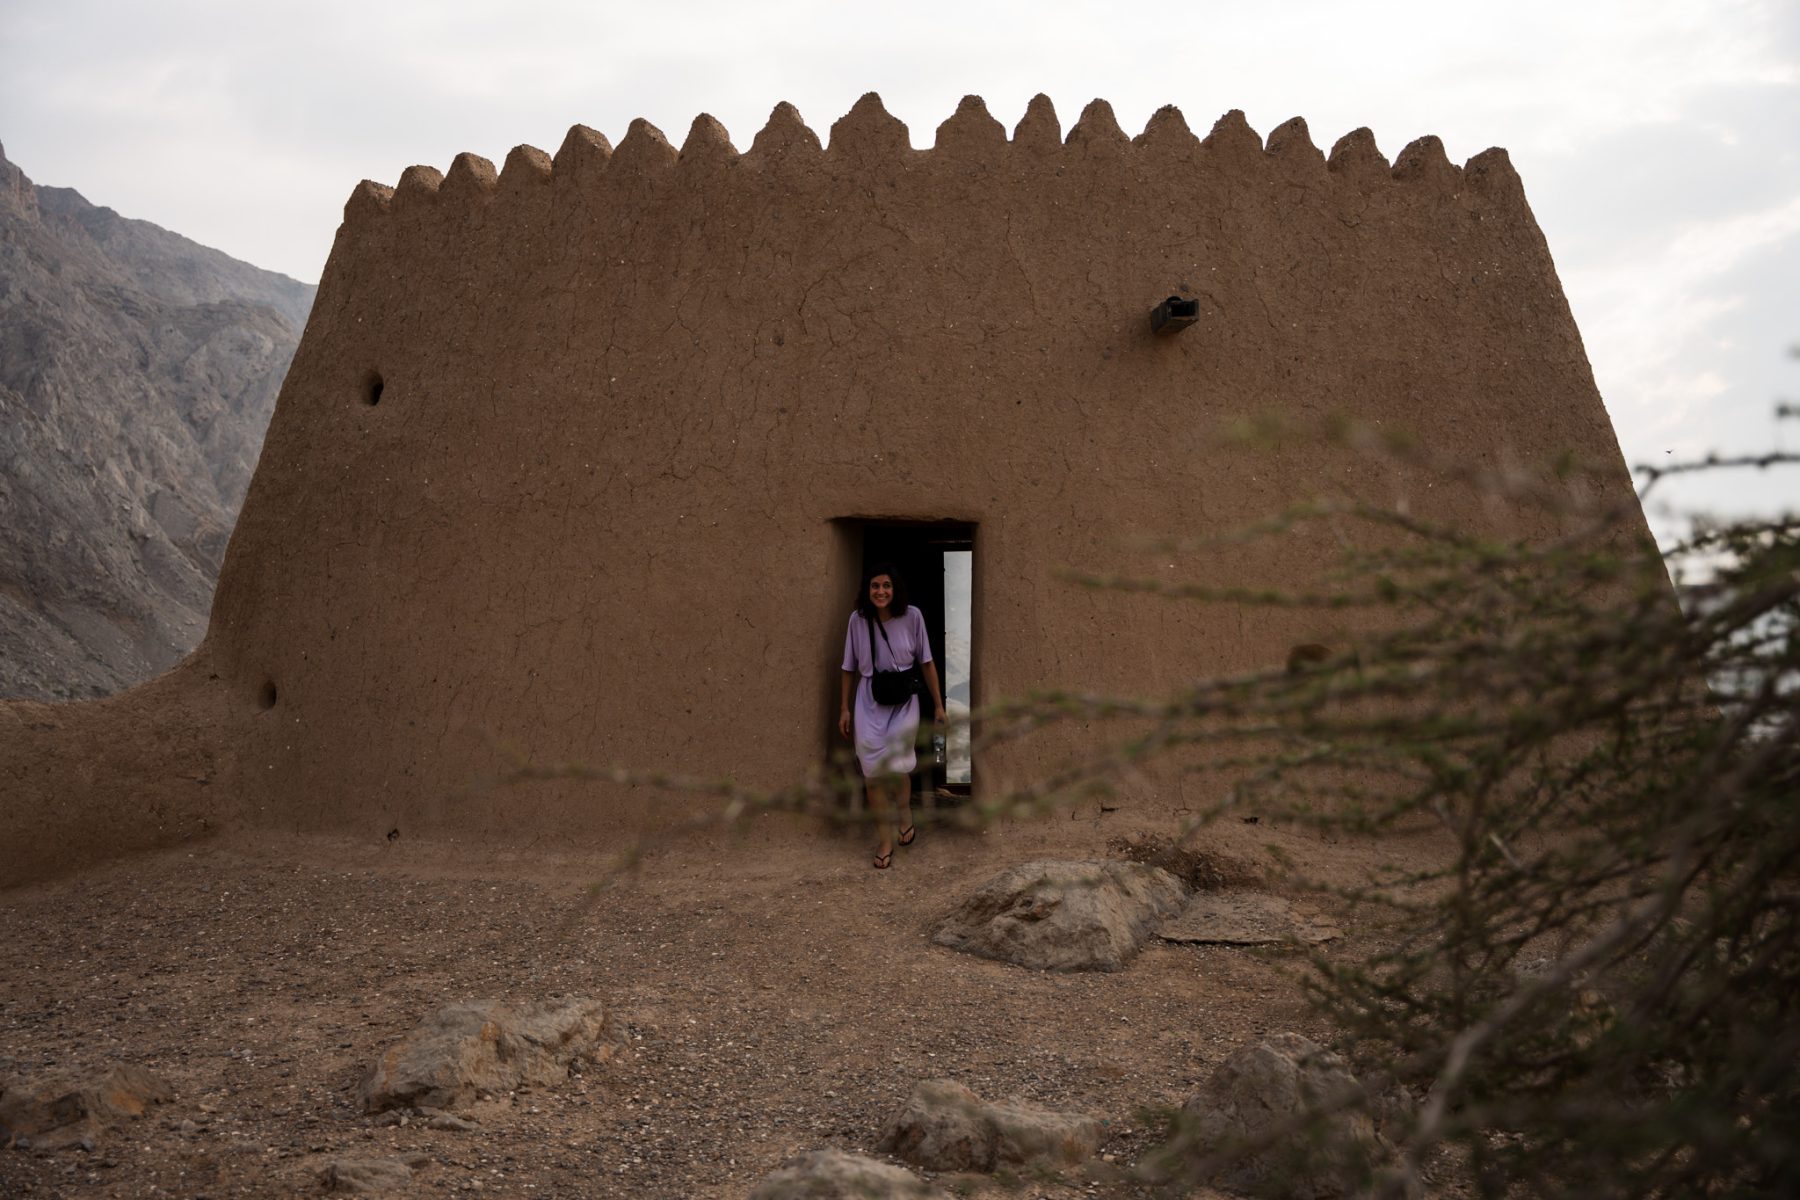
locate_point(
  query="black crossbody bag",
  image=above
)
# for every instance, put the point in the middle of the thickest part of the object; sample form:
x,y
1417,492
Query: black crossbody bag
x,y
892,688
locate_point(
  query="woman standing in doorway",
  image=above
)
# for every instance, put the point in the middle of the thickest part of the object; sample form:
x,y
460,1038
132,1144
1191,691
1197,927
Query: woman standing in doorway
x,y
886,634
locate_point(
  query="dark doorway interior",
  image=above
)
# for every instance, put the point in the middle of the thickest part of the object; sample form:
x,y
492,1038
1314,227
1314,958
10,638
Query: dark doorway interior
x,y
937,561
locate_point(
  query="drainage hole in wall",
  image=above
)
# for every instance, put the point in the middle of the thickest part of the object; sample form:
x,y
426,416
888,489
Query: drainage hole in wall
x,y
266,697
372,389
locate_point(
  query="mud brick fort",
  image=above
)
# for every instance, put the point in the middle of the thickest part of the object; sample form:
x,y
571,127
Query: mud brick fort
x,y
580,459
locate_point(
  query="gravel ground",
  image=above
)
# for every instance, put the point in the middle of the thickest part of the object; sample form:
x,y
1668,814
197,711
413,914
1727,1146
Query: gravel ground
x,y
780,996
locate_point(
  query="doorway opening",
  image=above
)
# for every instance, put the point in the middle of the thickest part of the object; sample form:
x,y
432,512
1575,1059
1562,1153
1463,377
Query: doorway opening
x,y
937,558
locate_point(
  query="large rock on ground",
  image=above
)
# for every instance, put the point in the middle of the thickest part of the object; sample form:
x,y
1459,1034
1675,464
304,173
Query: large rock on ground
x,y
465,1051
1247,919
63,1108
947,1127
834,1175
1064,916
1261,1093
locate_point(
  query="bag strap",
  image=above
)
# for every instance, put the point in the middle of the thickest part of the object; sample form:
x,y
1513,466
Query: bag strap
x,y
875,623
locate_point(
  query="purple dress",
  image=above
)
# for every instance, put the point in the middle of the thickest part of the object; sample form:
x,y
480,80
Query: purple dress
x,y
885,733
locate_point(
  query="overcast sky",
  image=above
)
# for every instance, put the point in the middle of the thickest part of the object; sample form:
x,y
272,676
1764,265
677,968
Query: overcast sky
x,y
1659,140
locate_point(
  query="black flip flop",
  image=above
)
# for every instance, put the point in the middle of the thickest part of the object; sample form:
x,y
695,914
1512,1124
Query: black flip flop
x,y
884,861
909,835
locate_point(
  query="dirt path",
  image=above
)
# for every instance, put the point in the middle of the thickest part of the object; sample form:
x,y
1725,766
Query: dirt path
x,y
781,997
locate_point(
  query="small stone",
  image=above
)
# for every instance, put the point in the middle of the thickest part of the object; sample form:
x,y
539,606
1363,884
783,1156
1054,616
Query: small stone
x,y
451,1124
365,1175
1246,919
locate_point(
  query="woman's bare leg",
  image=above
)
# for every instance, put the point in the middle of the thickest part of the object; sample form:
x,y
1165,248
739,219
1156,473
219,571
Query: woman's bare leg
x,y
903,791
880,812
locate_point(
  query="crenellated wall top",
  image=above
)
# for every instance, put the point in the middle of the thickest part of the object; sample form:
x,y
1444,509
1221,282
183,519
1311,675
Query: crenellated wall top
x,y
868,138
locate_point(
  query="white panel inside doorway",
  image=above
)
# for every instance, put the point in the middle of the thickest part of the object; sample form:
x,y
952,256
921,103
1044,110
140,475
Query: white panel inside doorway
x,y
959,589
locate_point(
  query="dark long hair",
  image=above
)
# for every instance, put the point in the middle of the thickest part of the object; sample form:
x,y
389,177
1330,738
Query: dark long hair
x,y
896,606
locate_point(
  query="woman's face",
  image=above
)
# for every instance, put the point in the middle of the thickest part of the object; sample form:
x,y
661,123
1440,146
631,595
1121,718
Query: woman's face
x,y
881,592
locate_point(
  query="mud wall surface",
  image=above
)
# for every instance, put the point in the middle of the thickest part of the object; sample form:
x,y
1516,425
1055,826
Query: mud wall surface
x,y
556,466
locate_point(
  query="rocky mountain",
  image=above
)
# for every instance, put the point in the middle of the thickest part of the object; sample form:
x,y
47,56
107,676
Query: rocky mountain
x,y
138,371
